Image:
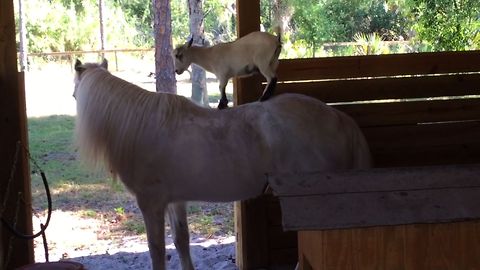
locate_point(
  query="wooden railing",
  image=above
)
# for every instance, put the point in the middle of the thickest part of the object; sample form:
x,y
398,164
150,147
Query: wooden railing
x,y
70,56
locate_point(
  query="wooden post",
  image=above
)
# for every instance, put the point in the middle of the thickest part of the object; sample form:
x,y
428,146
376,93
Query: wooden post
x,y
250,220
248,20
13,129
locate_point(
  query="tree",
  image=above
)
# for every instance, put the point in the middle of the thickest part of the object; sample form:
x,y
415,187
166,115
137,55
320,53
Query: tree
x,y
341,20
139,14
447,24
199,78
164,65
101,8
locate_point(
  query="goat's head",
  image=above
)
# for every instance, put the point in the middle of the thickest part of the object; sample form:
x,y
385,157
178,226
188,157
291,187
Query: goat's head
x,y
182,59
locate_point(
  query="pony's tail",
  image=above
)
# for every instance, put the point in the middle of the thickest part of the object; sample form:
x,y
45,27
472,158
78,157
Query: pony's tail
x,y
363,159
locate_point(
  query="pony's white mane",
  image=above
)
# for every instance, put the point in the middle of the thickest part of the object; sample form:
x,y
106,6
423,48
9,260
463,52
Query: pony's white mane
x,y
112,114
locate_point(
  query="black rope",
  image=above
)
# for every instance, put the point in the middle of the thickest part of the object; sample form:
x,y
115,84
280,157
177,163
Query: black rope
x,y
44,238
43,227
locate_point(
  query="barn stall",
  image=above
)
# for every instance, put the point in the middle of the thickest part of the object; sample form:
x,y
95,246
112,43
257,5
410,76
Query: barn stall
x,y
417,209
413,131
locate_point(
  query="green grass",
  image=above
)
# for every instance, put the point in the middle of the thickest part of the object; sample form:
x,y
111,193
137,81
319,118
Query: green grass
x,y
94,195
73,186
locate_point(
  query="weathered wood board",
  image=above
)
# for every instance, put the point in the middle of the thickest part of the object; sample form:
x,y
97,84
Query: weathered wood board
x,y
378,197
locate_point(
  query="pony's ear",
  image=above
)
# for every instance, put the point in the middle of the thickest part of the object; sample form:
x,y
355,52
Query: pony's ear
x,y
190,42
104,64
79,66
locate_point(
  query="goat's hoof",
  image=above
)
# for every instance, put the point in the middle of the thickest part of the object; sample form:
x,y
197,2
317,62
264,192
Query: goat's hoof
x,y
223,104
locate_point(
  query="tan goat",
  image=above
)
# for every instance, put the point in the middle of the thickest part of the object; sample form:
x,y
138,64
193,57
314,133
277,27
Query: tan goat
x,y
253,53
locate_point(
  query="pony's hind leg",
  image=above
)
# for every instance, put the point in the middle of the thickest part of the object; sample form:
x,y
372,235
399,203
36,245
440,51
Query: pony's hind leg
x,y
154,217
177,214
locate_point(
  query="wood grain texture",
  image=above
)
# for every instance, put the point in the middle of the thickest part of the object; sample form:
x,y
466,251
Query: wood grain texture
x,y
386,88
378,197
450,246
13,129
378,65
414,112
424,145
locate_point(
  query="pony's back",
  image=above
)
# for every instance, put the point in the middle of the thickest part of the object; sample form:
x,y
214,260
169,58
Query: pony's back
x,y
308,135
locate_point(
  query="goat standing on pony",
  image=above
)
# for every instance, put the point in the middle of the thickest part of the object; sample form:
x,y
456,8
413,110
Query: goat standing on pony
x,y
253,53
167,150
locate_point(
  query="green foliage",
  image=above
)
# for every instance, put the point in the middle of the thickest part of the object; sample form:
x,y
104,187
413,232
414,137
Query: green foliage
x,y
139,14
447,24
180,22
74,26
219,21
136,226
369,44
339,20
432,24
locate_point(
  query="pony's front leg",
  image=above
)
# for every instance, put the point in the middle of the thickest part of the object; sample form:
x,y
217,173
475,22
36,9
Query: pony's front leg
x,y
177,214
154,217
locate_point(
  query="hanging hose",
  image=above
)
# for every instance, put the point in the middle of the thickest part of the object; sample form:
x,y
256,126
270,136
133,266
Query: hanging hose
x,y
43,227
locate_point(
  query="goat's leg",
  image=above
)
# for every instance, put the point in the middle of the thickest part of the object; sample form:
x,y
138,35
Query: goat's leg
x,y
177,214
269,89
223,100
154,217
271,77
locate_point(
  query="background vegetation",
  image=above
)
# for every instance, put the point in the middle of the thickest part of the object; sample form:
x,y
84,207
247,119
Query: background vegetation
x,y
427,25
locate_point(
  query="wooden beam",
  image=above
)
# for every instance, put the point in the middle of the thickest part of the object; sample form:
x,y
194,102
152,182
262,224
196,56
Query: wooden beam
x,y
414,112
386,88
250,216
423,145
407,247
378,65
248,20
13,130
378,197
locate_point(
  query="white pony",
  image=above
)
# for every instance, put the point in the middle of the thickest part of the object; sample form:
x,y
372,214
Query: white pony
x,y
167,150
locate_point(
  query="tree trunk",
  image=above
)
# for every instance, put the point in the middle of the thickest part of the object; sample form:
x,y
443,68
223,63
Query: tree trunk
x,y
282,14
164,66
102,23
199,78
23,37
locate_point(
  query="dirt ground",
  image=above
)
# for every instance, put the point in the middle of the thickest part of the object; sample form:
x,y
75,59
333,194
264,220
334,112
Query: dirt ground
x,y
90,241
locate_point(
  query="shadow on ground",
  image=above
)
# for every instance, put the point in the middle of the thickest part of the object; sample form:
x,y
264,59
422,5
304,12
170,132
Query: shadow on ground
x,y
220,256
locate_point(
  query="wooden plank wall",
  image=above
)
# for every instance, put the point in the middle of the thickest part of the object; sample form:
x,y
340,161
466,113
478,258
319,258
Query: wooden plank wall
x,y
425,115
12,130
414,109
407,247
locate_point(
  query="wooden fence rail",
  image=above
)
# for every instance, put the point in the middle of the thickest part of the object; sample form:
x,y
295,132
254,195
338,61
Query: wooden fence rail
x,y
70,56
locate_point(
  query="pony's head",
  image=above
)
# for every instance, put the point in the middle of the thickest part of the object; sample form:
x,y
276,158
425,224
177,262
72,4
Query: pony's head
x,y
81,68
182,60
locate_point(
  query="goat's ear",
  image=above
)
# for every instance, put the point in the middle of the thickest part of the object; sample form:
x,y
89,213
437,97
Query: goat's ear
x,y
190,42
104,64
79,66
